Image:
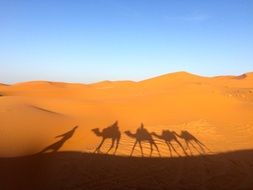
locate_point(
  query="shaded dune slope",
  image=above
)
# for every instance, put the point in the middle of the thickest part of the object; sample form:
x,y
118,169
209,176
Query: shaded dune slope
x,y
75,170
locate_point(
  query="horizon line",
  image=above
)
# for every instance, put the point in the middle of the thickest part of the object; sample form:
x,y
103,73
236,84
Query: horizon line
x,y
126,80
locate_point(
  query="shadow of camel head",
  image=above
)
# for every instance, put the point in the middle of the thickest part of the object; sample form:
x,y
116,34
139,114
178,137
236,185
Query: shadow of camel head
x,y
95,129
130,134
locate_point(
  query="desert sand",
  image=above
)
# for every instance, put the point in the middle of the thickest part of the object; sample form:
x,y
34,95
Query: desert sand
x,y
217,111
75,170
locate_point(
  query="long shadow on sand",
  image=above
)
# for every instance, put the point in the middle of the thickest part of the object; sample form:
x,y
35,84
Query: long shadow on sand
x,y
140,136
57,145
75,170
168,137
195,143
111,132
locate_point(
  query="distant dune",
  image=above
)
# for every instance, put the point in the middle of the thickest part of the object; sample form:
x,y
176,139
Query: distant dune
x,y
216,110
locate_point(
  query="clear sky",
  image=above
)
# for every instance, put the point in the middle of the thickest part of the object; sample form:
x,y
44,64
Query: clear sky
x,y
92,40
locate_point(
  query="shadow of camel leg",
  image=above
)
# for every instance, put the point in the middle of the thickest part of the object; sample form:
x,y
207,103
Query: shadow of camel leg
x,y
181,147
201,146
141,149
133,148
187,145
151,149
117,145
112,145
169,148
195,148
99,146
157,149
204,146
174,149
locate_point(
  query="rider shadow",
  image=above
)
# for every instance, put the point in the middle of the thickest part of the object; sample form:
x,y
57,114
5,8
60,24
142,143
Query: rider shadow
x,y
194,142
112,132
140,136
57,145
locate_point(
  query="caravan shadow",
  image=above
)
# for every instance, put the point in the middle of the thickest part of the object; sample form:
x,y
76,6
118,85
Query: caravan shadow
x,y
112,132
169,137
141,135
193,141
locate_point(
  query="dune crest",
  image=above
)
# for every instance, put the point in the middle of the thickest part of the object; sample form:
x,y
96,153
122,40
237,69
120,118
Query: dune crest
x,y
180,76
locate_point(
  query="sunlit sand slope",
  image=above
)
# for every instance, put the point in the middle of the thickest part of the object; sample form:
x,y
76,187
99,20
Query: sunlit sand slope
x,y
218,111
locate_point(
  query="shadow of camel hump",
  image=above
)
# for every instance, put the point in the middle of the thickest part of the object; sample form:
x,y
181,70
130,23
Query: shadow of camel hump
x,y
57,145
112,132
142,134
169,137
193,141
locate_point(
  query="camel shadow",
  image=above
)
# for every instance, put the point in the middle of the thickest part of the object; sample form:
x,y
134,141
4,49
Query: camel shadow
x,y
112,132
141,135
168,137
57,145
193,141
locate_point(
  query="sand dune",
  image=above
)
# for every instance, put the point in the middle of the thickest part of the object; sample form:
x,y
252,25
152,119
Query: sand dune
x,y
217,110
75,170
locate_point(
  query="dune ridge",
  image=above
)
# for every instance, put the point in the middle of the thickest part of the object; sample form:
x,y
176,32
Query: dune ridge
x,y
181,75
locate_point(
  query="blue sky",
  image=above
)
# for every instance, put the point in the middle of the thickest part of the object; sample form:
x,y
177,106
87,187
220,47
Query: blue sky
x,y
93,40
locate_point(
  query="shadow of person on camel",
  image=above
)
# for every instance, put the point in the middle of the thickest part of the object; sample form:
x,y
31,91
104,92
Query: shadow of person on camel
x,y
57,145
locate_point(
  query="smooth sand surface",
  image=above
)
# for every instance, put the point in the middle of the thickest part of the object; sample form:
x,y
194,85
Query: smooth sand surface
x,y
218,111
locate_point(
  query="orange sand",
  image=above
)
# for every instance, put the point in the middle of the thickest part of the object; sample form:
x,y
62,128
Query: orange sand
x,y
217,110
